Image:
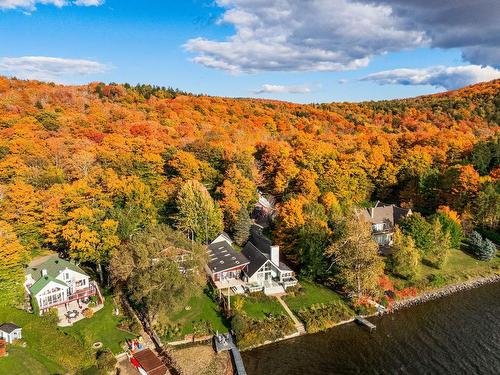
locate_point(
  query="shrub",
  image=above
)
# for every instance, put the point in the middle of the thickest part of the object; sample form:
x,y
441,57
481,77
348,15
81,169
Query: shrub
x,y
51,316
323,316
49,120
106,361
88,313
251,332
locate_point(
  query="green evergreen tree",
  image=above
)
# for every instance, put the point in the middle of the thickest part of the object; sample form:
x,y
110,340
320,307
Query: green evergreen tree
x,y
198,215
242,227
420,230
487,251
483,249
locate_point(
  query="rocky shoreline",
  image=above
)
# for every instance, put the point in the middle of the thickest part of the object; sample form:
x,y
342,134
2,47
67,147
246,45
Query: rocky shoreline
x,y
442,292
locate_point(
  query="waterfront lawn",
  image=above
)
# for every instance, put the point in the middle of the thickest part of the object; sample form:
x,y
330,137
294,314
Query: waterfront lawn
x,y
311,294
460,266
47,351
103,327
258,306
204,308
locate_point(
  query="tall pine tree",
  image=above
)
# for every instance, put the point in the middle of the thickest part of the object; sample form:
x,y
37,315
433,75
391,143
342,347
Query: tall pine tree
x,y
198,215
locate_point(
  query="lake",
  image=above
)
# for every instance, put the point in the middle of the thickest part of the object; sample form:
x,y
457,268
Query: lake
x,y
458,334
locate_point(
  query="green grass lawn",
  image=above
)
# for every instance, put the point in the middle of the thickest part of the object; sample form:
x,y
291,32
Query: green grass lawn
x,y
48,350
202,308
258,306
101,327
459,267
310,294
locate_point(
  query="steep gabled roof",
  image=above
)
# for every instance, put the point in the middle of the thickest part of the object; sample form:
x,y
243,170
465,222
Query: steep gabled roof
x,y
384,213
255,256
260,241
8,327
43,282
53,264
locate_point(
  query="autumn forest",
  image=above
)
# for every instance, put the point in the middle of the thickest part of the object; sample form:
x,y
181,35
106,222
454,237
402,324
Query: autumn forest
x,y
87,170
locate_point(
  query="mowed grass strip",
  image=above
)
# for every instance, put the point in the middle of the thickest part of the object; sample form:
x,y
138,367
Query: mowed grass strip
x,y
311,294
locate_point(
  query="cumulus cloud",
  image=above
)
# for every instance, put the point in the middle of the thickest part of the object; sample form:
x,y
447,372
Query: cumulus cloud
x,y
328,35
48,68
30,5
472,26
440,76
280,89
297,35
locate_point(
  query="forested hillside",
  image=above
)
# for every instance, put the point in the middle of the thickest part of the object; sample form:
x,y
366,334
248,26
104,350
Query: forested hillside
x,y
84,168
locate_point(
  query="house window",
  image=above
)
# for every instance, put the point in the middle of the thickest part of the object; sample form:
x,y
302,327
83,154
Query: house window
x,y
378,227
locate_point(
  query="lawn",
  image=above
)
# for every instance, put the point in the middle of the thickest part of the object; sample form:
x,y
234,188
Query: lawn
x,y
310,294
258,306
202,307
459,267
101,327
48,350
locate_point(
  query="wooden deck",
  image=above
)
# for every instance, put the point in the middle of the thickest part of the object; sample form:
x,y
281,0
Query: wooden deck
x,y
366,323
227,343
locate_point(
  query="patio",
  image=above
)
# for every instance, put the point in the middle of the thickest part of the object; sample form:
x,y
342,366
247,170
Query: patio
x,y
73,312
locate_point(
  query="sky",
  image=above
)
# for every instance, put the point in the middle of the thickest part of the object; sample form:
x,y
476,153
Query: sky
x,y
296,50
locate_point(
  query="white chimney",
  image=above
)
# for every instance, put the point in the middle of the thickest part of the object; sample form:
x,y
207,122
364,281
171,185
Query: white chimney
x,y
372,210
44,272
275,255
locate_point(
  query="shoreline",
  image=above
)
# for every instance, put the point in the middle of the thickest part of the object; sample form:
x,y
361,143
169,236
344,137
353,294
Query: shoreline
x,y
424,297
443,292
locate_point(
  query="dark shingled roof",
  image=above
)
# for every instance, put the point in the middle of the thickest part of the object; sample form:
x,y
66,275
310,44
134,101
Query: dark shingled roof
x,y
260,241
384,213
222,257
8,327
257,259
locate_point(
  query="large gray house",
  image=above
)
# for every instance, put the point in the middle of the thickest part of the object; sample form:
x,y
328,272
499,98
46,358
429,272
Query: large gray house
x,y
383,218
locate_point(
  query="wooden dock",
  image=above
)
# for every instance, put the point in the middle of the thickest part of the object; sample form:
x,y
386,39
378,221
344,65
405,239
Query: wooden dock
x,y
366,323
225,342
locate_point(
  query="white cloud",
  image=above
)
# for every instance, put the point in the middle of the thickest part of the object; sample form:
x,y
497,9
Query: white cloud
x,y
328,35
88,3
297,35
280,89
30,5
440,76
48,68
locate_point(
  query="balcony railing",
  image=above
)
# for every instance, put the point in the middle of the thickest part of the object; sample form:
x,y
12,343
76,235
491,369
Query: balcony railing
x,y
82,293
289,282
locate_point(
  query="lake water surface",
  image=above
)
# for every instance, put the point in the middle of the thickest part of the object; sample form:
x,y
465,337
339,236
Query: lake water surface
x,y
458,334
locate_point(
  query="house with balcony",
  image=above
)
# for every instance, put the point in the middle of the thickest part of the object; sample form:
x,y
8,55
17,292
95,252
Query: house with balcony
x,y
256,268
383,219
53,282
225,264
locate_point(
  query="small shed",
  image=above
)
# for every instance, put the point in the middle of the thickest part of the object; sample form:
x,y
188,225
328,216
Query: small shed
x,y
10,332
150,363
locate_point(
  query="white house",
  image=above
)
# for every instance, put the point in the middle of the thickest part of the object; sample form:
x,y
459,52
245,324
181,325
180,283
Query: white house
x,y
256,268
52,281
265,271
10,332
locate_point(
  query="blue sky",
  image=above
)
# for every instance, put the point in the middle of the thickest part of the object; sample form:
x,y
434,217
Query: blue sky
x,y
329,50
